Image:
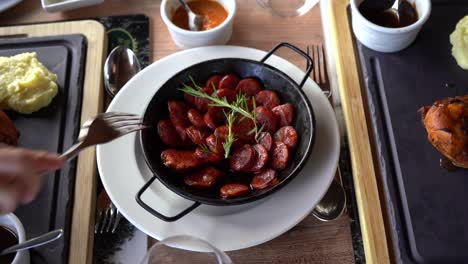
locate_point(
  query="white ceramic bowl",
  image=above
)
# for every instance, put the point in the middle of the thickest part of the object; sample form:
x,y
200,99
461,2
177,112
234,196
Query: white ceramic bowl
x,y
386,39
63,5
14,224
186,39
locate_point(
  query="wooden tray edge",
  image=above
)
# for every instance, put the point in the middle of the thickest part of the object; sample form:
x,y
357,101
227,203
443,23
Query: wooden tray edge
x,y
371,214
82,233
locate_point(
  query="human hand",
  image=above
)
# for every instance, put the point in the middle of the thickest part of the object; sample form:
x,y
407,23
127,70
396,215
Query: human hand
x,y
21,172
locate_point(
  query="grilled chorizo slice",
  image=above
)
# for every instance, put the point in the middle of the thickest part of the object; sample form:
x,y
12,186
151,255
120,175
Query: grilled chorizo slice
x,y
264,178
214,81
249,87
243,128
196,118
178,115
287,135
197,135
267,98
242,159
285,114
267,119
228,93
229,81
261,157
204,178
280,156
168,134
215,144
232,190
214,117
266,140
180,160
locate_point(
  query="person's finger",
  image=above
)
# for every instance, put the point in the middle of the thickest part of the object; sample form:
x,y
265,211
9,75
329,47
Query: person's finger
x,y
47,162
30,189
9,197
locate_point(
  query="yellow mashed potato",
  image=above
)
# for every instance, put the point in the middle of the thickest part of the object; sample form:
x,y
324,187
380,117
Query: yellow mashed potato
x,y
459,40
25,84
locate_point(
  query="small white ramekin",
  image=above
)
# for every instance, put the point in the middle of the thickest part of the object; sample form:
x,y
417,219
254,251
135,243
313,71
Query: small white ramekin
x,y
186,39
14,224
64,5
384,39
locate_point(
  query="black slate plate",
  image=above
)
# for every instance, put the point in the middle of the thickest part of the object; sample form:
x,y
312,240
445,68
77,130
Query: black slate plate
x,y
54,129
426,203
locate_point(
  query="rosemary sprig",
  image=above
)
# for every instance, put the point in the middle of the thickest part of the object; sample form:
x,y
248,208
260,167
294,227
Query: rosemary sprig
x,y
230,137
240,106
220,102
204,148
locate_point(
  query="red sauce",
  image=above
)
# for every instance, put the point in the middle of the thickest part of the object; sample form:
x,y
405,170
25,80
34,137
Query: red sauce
x,y
214,14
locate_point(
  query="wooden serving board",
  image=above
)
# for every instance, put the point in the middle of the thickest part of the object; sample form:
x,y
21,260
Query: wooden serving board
x,y
81,239
371,208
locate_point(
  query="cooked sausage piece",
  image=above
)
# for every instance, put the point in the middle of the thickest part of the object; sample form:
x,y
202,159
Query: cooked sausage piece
x,y
214,81
287,135
243,128
285,114
267,119
280,156
222,132
215,144
229,81
232,190
168,134
204,178
179,160
264,178
266,140
267,98
178,115
261,157
228,93
189,99
242,159
214,117
249,87
208,156
197,135
196,118
202,104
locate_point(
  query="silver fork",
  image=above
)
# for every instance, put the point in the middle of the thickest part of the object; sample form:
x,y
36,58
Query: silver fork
x,y
103,128
108,216
320,73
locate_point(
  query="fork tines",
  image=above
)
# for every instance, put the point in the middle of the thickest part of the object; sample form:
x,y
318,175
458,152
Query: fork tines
x,y
320,73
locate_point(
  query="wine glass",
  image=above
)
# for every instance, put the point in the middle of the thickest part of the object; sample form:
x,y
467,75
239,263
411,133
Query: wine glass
x,y
185,249
287,8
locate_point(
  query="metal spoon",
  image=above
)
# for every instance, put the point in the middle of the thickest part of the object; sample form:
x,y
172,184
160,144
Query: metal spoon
x,y
333,204
35,242
121,65
394,8
195,21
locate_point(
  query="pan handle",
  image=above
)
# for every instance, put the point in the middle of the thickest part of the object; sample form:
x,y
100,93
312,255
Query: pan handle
x,y
156,213
310,64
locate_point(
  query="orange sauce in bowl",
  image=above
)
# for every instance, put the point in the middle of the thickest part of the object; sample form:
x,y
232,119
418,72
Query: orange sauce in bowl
x,y
213,14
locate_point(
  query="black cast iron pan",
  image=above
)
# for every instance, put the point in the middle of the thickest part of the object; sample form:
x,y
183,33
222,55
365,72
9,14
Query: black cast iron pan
x,y
271,78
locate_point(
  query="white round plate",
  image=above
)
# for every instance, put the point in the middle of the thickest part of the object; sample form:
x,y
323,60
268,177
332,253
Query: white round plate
x,y
6,4
123,169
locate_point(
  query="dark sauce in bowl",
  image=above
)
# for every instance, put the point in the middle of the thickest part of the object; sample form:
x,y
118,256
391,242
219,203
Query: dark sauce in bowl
x,y
383,17
7,239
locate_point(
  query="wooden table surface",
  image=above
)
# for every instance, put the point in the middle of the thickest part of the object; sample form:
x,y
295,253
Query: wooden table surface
x,y
311,241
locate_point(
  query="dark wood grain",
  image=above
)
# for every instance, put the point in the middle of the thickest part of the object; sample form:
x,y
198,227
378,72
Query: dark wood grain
x,y
311,241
